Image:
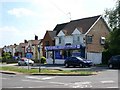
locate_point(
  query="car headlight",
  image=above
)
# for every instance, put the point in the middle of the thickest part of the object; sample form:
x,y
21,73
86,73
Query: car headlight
x,y
85,61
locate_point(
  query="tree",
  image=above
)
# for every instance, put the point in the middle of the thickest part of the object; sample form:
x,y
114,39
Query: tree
x,y
6,56
113,18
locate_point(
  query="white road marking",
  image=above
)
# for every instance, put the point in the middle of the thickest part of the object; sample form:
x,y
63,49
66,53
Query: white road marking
x,y
57,83
109,81
42,78
26,80
15,87
112,87
47,78
80,85
31,77
4,78
31,80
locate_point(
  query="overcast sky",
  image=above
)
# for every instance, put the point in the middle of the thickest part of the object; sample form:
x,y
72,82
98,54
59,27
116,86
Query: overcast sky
x,y
22,19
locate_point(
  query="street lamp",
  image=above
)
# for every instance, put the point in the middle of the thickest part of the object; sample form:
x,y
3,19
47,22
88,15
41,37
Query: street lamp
x,y
28,54
39,58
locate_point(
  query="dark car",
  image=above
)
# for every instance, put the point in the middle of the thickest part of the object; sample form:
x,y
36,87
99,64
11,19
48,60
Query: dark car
x,y
114,62
77,61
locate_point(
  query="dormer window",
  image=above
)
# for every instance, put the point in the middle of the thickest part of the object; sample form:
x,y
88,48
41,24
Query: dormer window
x,y
102,40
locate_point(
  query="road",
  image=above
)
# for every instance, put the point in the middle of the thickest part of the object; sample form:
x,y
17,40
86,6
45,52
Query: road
x,y
105,79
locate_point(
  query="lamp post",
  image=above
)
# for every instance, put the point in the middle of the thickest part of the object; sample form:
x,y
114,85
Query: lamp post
x,y
28,54
39,58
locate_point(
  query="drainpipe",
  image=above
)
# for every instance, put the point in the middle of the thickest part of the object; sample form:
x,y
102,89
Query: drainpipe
x,y
53,57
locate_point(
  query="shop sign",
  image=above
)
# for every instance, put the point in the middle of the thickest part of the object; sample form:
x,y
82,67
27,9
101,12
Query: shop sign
x,y
63,47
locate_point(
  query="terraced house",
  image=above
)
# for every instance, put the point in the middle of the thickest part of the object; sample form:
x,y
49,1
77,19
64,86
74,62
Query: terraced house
x,y
83,37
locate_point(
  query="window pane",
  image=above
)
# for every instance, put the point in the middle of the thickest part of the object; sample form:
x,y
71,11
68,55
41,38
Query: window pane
x,y
89,39
46,43
59,40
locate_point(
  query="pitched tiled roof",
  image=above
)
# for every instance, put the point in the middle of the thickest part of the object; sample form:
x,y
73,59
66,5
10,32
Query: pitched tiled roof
x,y
59,27
84,24
23,44
52,34
34,42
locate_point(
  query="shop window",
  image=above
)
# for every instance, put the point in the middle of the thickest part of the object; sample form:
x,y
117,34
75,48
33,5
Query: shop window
x,y
89,39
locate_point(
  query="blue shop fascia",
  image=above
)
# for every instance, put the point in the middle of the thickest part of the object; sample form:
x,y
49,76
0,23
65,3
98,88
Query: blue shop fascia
x,y
62,52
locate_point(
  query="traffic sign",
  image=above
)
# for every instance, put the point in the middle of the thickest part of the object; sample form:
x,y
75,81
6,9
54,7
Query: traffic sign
x,y
29,55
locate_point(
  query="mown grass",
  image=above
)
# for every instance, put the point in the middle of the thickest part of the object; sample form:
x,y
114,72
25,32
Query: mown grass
x,y
45,71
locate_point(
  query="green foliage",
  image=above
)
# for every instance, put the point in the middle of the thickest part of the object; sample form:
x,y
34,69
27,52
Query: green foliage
x,y
45,71
43,60
7,56
113,41
105,56
0,58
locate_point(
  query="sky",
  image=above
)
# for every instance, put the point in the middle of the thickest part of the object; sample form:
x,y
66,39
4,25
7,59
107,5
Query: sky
x,y
23,19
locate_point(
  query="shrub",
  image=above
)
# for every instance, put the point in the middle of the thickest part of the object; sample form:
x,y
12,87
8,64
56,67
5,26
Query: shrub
x,y
106,55
43,60
7,56
0,58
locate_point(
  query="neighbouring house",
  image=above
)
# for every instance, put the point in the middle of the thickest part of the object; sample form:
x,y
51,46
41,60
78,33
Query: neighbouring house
x,y
9,49
83,37
32,47
40,48
49,37
21,49
1,51
48,40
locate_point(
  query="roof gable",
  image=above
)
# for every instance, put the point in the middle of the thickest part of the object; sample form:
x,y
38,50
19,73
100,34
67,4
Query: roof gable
x,y
61,33
77,31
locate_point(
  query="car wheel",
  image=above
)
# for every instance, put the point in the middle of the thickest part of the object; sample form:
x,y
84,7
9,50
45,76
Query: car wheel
x,y
81,65
66,65
110,66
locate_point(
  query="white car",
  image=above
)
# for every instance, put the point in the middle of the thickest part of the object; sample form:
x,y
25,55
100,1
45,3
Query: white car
x,y
25,61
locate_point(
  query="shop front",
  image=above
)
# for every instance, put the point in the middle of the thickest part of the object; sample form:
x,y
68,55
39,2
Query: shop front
x,y
57,54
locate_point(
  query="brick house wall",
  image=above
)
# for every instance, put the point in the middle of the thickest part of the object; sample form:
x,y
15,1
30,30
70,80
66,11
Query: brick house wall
x,y
46,39
100,29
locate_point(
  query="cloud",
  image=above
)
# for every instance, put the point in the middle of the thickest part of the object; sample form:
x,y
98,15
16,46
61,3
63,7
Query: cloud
x,y
21,12
10,35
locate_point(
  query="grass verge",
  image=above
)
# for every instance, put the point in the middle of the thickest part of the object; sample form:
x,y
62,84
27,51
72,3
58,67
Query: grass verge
x,y
45,71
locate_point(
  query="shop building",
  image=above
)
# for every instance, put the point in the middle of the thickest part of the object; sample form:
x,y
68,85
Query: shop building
x,y
83,37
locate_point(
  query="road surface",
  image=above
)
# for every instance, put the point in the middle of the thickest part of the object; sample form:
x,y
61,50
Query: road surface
x,y
105,79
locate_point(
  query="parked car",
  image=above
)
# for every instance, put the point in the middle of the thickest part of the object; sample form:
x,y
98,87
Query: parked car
x,y
25,61
114,62
77,61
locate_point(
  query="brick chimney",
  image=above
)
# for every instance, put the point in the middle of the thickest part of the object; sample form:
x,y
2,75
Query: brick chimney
x,y
36,37
25,41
